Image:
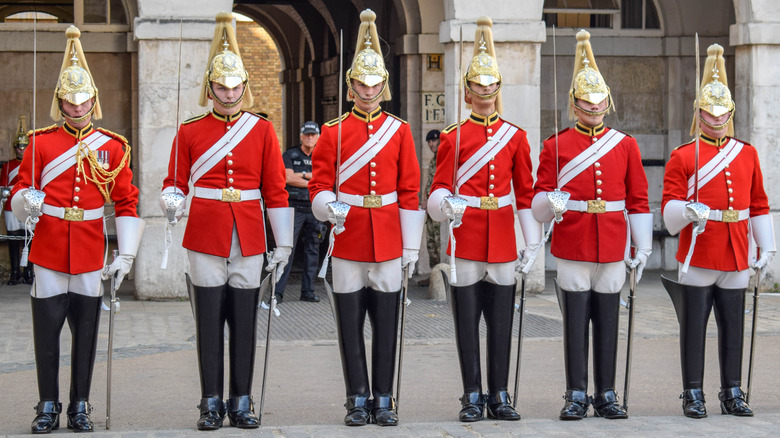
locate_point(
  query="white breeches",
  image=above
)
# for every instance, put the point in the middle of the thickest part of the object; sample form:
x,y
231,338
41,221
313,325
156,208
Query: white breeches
x,y
49,283
706,277
470,272
240,272
350,276
577,276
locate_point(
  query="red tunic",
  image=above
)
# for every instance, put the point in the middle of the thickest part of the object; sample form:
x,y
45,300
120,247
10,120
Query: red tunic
x,y
722,246
5,181
255,163
65,246
371,234
617,176
487,235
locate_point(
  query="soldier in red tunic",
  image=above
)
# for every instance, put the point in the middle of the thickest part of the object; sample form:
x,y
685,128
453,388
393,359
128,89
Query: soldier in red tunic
x,y
730,201
69,173
601,170
8,177
493,161
233,160
378,184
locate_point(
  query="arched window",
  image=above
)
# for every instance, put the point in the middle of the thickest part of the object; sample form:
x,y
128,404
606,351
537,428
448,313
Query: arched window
x,y
97,12
609,14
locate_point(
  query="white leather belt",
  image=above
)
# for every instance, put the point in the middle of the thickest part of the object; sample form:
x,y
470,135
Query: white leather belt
x,y
228,195
595,206
729,215
72,214
368,201
487,202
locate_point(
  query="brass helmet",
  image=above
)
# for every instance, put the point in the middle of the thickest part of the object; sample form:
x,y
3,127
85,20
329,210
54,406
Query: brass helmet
x,y
21,140
368,66
483,68
715,95
75,83
225,66
587,83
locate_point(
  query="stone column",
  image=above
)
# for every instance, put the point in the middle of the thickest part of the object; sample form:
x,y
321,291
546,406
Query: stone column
x,y
157,30
756,36
518,33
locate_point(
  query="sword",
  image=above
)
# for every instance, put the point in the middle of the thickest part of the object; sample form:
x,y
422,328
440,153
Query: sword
x,y
697,114
521,309
557,198
271,310
403,303
630,335
753,336
113,308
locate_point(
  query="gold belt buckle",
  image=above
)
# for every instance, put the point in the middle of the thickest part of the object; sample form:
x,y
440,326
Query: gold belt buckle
x,y
372,201
74,214
231,195
488,203
730,216
597,206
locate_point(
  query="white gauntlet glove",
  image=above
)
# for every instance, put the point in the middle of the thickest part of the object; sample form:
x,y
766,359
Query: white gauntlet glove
x,y
119,268
409,259
639,262
277,259
763,231
527,257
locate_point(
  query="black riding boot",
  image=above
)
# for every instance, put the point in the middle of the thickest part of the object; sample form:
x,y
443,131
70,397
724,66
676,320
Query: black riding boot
x,y
242,322
730,316
350,319
498,307
383,313
83,319
209,306
575,308
604,315
466,302
692,305
48,317
14,255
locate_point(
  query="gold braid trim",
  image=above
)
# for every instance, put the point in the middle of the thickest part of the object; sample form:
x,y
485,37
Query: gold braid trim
x,y
102,178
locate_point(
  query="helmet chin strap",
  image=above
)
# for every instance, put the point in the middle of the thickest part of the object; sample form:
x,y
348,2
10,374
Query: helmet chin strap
x,y
718,127
76,120
357,95
484,96
594,113
226,104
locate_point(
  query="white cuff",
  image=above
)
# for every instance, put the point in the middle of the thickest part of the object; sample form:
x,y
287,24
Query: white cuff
x,y
319,205
412,224
764,232
540,207
129,230
17,206
642,230
674,216
282,221
434,204
532,229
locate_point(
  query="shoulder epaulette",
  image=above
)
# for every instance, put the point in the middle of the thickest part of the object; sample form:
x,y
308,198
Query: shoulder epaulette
x,y
397,118
43,130
261,115
336,120
195,119
507,121
449,129
113,135
559,133
626,134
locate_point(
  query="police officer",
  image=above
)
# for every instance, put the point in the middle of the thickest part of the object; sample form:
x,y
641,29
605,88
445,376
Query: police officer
x,y
715,225
310,231
381,233
233,160
9,175
601,169
64,183
493,162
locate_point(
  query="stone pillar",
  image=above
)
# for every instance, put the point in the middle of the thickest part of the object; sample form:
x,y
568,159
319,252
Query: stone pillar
x,y
157,30
756,36
518,33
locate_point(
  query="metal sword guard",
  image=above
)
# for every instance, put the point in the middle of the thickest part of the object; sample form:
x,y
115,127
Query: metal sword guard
x,y
5,193
699,213
34,200
338,210
558,200
458,206
173,202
